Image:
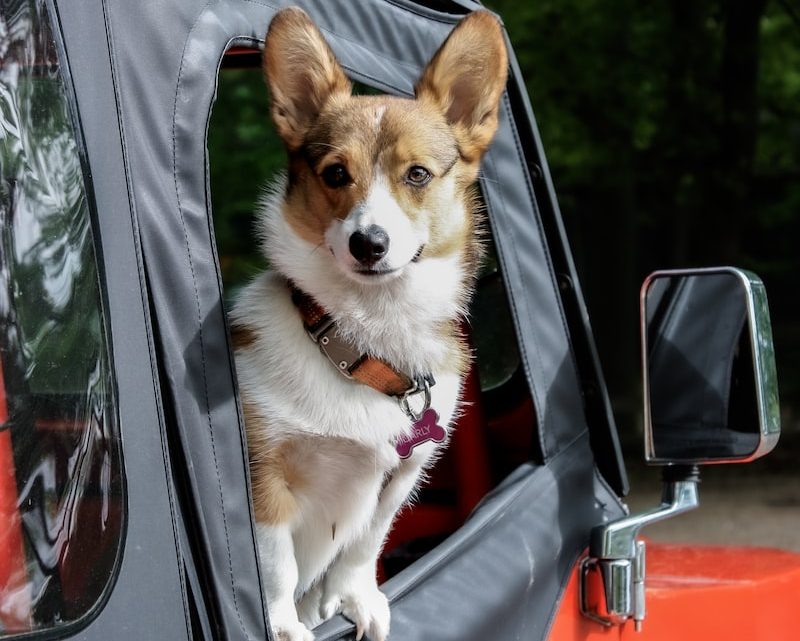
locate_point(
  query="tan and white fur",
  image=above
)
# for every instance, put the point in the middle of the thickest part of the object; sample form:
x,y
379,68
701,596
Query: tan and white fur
x,y
327,480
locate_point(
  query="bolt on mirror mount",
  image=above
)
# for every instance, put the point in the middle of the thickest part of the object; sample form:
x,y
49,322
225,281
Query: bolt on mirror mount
x,y
710,396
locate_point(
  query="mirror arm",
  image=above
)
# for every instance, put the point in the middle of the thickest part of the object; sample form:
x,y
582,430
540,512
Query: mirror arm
x,y
612,576
679,494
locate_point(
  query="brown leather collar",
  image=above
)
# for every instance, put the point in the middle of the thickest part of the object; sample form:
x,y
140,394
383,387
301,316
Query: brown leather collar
x,y
351,362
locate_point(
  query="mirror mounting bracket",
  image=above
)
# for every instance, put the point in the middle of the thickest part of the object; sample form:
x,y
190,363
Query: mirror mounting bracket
x,y
612,575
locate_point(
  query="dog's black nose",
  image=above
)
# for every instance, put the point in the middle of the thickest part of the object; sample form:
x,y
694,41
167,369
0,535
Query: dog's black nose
x,y
370,245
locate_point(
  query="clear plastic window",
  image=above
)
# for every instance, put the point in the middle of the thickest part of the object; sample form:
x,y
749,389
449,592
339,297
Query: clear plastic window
x,y
61,497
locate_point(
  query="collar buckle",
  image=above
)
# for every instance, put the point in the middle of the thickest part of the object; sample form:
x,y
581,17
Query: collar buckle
x,y
420,385
340,353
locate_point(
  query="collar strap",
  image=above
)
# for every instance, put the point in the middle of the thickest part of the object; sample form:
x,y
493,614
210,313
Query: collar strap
x,y
351,362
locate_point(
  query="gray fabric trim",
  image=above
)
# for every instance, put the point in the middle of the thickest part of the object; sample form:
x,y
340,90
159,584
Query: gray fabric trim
x,y
597,405
151,543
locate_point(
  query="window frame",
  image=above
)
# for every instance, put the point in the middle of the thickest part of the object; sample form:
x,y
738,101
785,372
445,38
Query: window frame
x,y
153,547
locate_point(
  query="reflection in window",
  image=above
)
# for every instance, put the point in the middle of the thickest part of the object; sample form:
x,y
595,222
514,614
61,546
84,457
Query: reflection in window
x,y
60,474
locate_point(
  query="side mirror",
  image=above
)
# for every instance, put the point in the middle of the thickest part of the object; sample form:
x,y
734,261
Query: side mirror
x,y
710,396
710,386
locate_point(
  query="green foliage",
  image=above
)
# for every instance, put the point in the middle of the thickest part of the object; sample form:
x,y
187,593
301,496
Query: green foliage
x,y
245,153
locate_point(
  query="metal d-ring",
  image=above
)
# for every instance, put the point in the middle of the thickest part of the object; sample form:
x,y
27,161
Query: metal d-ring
x,y
421,386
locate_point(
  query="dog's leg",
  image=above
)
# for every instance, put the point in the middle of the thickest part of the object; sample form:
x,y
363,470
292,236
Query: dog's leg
x,y
279,577
350,585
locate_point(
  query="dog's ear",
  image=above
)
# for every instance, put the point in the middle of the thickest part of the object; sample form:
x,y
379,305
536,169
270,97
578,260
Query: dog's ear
x,y
465,79
302,74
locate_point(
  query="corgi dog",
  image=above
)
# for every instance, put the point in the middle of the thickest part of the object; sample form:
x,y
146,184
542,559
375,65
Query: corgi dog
x,y
348,351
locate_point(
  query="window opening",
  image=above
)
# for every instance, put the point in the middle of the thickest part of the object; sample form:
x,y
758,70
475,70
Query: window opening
x,y
245,154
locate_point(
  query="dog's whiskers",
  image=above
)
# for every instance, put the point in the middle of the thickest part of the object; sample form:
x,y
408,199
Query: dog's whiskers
x,y
483,178
327,145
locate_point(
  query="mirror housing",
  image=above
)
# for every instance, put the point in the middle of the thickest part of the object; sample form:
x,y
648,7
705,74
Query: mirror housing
x,y
711,396
710,384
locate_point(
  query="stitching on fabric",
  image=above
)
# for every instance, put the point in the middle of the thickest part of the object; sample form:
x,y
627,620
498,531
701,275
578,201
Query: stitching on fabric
x,y
549,260
239,416
378,81
200,319
353,72
403,63
515,310
137,243
434,16
532,198
545,247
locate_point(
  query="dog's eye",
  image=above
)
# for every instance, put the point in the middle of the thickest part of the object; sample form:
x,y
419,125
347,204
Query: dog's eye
x,y
418,176
336,176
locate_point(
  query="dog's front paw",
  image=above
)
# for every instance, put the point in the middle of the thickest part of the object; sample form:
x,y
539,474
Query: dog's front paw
x,y
309,610
288,628
367,607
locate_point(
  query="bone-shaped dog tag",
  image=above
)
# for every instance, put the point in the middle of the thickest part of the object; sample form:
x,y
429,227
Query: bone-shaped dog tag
x,y
425,429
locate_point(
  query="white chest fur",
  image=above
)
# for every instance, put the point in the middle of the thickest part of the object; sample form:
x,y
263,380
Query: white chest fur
x,y
348,430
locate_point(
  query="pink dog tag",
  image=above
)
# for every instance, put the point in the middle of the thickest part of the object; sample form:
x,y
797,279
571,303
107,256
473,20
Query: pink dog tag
x,y
424,429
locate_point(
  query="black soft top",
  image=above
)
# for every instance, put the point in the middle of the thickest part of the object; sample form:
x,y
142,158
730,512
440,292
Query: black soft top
x,y
164,61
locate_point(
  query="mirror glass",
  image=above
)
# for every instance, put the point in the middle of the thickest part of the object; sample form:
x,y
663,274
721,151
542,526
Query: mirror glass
x,y
709,367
